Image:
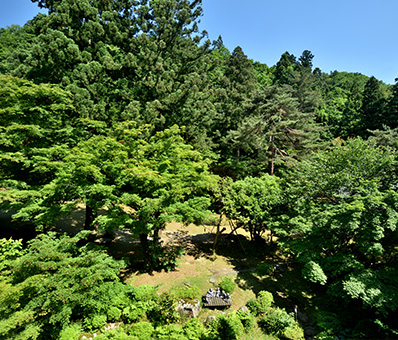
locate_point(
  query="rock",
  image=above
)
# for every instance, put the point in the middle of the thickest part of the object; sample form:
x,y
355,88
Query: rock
x,y
189,309
244,309
210,319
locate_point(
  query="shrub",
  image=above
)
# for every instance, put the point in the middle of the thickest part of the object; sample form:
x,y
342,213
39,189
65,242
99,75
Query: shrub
x,y
171,331
246,319
193,330
113,313
264,269
165,311
62,281
313,272
95,322
71,332
294,332
275,321
134,312
9,250
261,304
115,334
224,327
227,285
144,293
142,330
187,292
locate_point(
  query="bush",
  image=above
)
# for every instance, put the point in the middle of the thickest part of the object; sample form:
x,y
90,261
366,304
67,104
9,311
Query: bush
x,y
71,332
187,292
193,330
246,319
134,312
165,311
264,269
115,334
142,330
227,285
261,304
171,331
223,327
144,293
9,250
275,321
63,281
113,314
95,322
294,332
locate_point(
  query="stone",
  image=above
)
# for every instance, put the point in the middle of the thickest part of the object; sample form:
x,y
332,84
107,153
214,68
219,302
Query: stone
x,y
190,309
210,319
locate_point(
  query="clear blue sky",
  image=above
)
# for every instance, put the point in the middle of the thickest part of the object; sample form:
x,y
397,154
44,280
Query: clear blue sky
x,y
344,35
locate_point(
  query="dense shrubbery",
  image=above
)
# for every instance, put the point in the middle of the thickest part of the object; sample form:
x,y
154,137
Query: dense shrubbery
x,y
59,290
261,304
227,285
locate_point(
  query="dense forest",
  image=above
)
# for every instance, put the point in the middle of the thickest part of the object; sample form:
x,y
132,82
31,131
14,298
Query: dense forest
x,y
126,109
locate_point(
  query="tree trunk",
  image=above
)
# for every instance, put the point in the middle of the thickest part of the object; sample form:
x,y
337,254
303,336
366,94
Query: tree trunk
x,y
90,217
147,253
272,155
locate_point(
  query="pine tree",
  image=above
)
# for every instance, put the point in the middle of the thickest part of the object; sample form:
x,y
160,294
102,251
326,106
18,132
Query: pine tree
x,y
275,132
126,60
235,88
392,108
284,69
372,117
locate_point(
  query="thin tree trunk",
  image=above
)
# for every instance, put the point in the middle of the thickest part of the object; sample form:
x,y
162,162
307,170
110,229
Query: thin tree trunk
x,y
147,253
90,217
272,155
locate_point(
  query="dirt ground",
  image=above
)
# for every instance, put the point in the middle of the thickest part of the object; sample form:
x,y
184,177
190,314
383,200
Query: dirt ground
x,y
236,258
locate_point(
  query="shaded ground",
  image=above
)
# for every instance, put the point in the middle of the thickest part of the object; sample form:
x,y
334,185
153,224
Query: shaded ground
x,y
236,257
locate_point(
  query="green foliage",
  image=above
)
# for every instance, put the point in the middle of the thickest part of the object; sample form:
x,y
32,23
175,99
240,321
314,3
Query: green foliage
x,y
136,311
165,312
57,281
187,292
9,250
115,334
227,284
225,327
247,320
142,330
170,331
261,304
255,203
265,269
71,332
194,329
94,322
346,214
329,323
275,321
313,272
294,332
144,293
113,314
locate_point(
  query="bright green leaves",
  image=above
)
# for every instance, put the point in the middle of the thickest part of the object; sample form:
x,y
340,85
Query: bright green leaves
x,y
350,212
254,203
313,272
55,280
9,250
